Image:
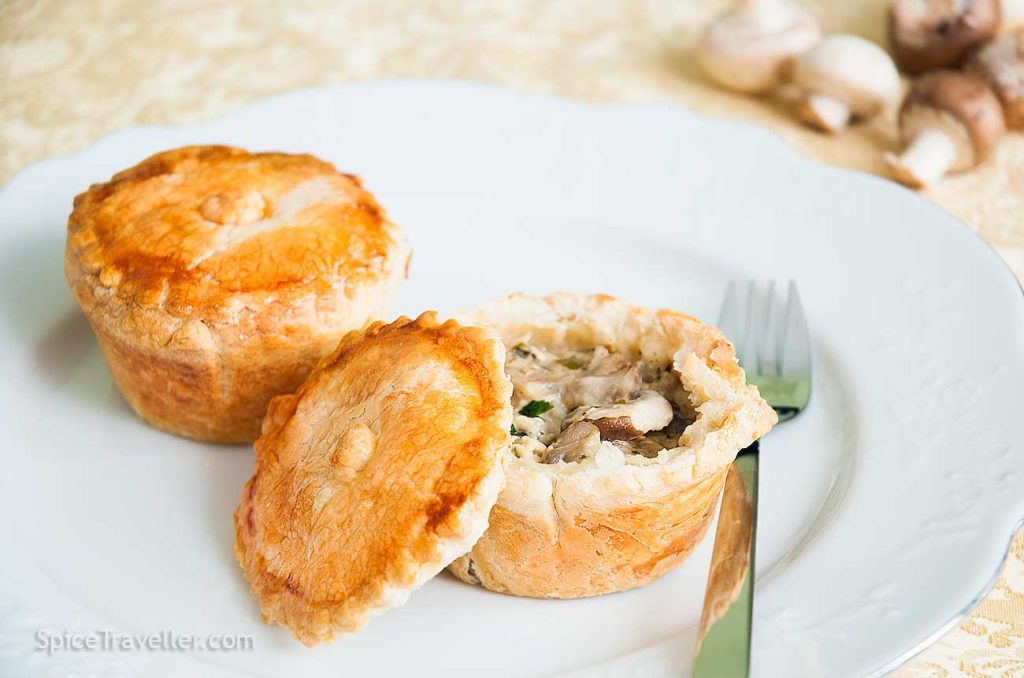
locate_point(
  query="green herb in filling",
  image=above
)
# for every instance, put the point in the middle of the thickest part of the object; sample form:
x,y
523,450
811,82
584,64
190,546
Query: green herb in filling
x,y
535,408
573,363
516,432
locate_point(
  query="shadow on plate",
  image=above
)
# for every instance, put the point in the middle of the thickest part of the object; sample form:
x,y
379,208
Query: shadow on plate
x,y
37,308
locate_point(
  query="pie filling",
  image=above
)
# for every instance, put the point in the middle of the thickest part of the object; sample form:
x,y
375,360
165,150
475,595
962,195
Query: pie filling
x,y
569,405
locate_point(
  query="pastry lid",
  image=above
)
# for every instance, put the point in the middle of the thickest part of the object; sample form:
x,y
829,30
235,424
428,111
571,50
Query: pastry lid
x,y
221,235
376,474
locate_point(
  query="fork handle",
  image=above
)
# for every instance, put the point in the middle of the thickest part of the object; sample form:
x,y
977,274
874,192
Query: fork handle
x,y
723,637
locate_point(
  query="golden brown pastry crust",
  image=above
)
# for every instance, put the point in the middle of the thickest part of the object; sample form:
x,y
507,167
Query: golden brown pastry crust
x,y
569,530
369,481
216,278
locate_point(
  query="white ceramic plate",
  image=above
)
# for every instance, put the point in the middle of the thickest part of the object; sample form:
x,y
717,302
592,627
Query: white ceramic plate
x,y
886,508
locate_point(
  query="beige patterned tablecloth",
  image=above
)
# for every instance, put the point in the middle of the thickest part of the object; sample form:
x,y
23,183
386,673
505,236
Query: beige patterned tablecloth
x,y
72,71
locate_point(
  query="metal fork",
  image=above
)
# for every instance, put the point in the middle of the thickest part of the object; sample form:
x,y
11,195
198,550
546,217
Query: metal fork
x,y
774,348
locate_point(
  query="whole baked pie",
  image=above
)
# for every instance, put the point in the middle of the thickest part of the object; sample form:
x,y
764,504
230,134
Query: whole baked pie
x,y
607,427
215,279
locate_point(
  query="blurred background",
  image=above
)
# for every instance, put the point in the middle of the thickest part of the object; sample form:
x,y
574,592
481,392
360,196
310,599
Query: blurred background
x,y
70,72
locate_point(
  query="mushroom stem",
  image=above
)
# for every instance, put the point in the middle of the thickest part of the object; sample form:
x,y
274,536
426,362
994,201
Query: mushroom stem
x,y
928,157
827,112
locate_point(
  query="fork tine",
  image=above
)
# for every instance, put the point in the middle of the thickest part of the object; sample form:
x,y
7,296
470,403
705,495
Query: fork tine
x,y
741,321
751,334
771,343
796,340
770,335
751,328
729,316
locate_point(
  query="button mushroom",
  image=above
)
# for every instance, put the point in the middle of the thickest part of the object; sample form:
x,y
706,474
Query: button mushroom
x,y
746,48
580,440
949,122
930,34
841,77
1001,65
649,411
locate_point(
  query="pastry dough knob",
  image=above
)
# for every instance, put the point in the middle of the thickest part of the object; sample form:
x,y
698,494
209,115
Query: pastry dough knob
x,y
234,208
353,450
110,276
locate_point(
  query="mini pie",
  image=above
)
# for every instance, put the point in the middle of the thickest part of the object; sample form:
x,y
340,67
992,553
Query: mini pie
x,y
215,279
613,481
378,472
608,429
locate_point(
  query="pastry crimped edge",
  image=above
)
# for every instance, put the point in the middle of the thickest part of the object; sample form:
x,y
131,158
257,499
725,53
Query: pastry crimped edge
x,y
211,375
570,530
443,527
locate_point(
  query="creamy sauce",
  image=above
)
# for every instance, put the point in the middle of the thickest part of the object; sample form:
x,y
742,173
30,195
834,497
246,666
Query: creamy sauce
x,y
568,404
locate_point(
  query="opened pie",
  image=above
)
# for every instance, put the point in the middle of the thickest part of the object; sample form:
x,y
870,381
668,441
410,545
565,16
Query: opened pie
x,y
626,420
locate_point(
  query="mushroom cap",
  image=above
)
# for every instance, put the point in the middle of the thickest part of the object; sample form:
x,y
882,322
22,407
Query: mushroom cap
x,y
1001,64
962,104
930,34
649,411
747,48
851,69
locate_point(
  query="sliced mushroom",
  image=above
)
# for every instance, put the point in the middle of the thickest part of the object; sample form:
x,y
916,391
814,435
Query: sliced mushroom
x,y
1001,64
644,446
747,48
844,77
949,122
580,440
531,379
603,388
649,411
669,436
